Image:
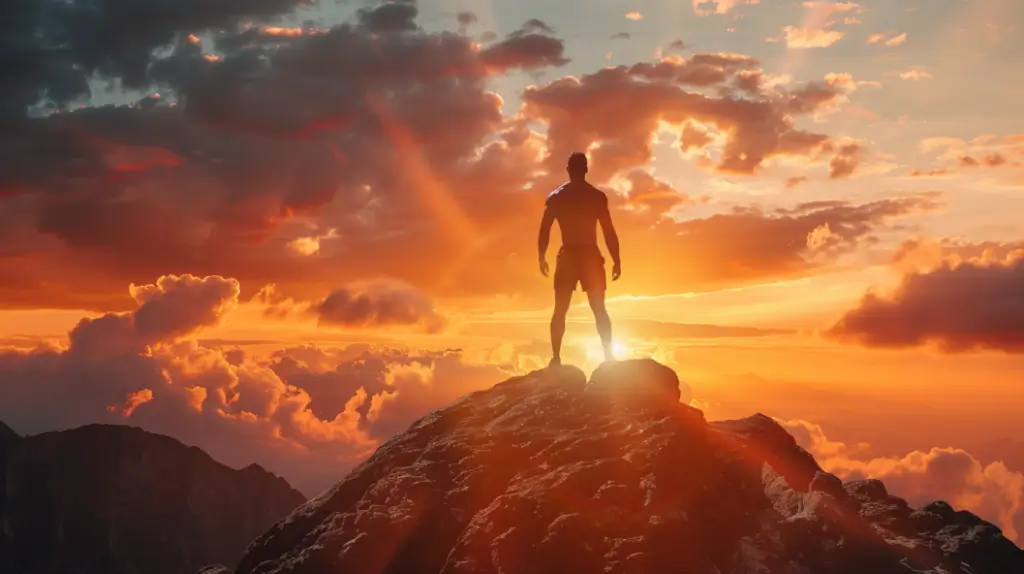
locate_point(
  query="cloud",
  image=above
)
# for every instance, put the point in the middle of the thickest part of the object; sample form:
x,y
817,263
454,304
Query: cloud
x,y
650,94
959,306
708,7
241,180
676,45
987,150
794,181
535,25
70,42
991,491
993,160
797,37
938,172
526,51
648,194
845,161
635,16
751,242
380,303
306,413
290,161
818,14
915,74
172,308
888,39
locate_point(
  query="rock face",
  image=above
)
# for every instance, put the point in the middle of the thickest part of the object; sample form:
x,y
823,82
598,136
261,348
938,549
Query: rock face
x,y
119,500
545,474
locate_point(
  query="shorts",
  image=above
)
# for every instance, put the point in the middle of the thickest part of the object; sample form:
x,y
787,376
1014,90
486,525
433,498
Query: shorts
x,y
582,265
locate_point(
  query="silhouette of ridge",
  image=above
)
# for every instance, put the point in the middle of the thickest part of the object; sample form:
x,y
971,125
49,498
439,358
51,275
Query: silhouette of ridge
x,y
116,499
549,473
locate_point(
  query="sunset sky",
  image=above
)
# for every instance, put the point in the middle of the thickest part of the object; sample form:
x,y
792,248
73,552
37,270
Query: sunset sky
x,y
283,230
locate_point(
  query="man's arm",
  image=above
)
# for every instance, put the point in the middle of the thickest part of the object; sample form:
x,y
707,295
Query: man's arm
x,y
544,237
611,239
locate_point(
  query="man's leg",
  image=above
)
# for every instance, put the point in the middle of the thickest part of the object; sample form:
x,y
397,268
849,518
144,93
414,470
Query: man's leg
x,y
604,322
563,298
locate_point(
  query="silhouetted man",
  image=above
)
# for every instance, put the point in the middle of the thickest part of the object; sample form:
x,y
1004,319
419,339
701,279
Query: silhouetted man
x,y
578,207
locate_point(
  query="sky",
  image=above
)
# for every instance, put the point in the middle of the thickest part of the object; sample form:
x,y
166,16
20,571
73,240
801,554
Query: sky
x,y
283,230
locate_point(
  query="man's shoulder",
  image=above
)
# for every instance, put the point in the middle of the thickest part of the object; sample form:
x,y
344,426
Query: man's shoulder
x,y
575,191
597,192
558,193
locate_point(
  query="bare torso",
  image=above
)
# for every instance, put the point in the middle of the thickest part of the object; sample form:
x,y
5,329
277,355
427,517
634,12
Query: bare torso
x,y
577,207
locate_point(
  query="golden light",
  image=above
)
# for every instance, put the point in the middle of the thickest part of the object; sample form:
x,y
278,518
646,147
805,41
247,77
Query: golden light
x,y
596,353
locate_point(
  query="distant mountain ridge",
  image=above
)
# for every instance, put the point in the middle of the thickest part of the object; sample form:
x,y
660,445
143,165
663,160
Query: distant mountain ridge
x,y
549,473
111,499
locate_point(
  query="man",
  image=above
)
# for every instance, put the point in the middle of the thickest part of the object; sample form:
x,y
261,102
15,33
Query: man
x,y
579,207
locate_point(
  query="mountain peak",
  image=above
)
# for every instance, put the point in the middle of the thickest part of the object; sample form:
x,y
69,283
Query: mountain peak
x,y
548,472
135,501
7,434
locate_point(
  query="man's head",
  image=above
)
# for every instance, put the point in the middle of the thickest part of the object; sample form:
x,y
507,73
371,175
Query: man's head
x,y
577,165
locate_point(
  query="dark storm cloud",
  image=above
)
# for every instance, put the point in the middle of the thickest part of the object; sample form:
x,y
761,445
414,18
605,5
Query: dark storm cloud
x,y
264,136
50,48
973,305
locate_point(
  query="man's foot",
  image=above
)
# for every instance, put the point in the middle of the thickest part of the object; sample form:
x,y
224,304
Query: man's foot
x,y
555,362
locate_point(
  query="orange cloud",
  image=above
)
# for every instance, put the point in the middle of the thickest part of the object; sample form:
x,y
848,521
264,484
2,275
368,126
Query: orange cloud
x,y
302,411
991,491
635,16
987,150
819,13
845,161
132,402
794,181
797,37
915,74
940,172
888,39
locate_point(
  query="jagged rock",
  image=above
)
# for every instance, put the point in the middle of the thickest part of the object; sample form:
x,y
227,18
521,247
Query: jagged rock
x,y
543,474
215,569
119,500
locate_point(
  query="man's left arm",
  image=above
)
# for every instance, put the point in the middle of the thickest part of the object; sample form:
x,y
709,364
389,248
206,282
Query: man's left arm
x,y
544,236
611,239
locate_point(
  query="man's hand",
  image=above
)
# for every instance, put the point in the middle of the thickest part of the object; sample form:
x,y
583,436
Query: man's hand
x,y
544,267
616,271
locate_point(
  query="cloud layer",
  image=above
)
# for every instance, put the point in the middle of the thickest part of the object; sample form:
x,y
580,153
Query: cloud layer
x,y
954,475
312,158
303,412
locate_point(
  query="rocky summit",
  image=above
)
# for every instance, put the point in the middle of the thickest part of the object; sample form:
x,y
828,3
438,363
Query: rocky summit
x,y
110,499
550,473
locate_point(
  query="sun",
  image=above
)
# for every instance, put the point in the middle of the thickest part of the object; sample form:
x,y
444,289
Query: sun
x,y
596,353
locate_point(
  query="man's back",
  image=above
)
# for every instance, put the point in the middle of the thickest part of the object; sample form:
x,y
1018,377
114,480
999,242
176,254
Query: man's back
x,y
577,206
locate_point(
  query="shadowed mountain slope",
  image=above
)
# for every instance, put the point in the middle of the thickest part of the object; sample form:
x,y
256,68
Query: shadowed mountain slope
x,y
119,500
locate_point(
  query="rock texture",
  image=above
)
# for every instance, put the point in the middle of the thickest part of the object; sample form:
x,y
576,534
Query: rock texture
x,y
543,474
119,500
